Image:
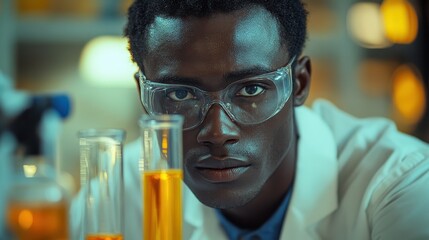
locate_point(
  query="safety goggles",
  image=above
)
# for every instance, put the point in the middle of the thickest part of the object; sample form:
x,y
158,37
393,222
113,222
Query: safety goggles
x,y
247,101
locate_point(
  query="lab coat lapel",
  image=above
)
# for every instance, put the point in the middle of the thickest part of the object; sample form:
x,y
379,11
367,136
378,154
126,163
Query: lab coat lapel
x,y
200,221
193,216
315,188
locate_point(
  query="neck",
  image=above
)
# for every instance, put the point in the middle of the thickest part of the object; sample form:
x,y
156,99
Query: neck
x,y
262,207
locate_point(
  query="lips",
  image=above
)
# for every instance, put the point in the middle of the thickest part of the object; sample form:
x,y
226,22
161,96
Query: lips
x,y
221,170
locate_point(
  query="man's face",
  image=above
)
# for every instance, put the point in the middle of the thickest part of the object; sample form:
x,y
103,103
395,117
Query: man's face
x,y
226,164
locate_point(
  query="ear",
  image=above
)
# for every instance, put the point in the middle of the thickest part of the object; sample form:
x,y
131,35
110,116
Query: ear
x,y
302,80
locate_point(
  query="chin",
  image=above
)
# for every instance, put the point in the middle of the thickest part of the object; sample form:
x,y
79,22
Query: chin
x,y
225,199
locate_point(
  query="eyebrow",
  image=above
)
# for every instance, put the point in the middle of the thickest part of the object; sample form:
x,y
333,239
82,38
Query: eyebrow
x,y
229,77
245,73
169,79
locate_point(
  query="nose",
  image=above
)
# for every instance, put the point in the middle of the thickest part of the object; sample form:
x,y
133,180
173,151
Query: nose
x,y
218,129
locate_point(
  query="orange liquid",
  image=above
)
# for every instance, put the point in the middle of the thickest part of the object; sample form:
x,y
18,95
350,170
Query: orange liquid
x,y
38,221
162,199
104,237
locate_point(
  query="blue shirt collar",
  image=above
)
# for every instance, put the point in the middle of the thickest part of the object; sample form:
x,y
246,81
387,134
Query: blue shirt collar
x,y
269,230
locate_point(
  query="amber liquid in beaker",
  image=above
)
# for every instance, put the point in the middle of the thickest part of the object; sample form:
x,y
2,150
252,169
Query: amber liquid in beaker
x,y
104,237
42,221
162,198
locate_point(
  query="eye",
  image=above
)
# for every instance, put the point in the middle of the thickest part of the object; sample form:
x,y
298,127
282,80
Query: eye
x,y
180,95
250,91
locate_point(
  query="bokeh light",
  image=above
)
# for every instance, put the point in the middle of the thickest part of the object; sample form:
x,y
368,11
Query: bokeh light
x,y
408,95
105,61
379,26
400,21
366,25
25,219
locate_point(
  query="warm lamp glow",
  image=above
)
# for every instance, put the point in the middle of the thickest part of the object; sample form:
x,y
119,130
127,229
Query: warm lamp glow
x,y
400,21
366,25
106,61
408,94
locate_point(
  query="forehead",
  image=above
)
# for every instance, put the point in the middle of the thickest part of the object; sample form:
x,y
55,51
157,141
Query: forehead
x,y
225,41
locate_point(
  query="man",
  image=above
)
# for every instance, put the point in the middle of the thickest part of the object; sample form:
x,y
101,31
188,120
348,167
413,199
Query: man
x,y
258,164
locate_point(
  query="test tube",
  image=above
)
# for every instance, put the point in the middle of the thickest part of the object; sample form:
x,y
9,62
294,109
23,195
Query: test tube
x,y
101,172
161,169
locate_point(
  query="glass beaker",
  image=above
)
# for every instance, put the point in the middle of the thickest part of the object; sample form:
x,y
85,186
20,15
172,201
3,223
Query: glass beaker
x,y
38,205
101,171
161,169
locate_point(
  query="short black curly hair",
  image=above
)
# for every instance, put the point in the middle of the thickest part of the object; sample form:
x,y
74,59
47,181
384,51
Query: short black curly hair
x,y
291,15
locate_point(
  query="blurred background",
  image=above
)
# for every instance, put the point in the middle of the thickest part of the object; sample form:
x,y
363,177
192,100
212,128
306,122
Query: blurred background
x,y
370,58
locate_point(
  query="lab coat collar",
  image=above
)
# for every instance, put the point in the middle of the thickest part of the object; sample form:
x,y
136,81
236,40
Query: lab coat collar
x,y
315,189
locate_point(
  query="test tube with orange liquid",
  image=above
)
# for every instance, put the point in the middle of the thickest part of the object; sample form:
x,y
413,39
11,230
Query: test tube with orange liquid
x,y
101,169
161,169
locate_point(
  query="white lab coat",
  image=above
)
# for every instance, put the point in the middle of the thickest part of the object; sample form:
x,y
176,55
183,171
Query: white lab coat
x,y
356,179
